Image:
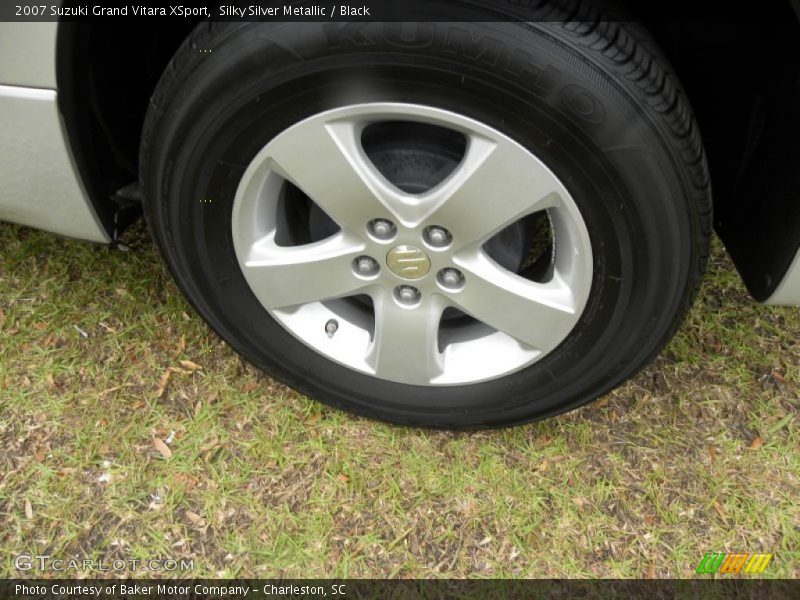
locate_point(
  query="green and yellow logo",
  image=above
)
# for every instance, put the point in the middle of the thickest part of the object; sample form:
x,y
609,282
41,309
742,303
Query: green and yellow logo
x,y
742,562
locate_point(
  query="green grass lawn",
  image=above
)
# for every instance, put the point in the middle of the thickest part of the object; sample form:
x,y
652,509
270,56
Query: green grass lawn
x,y
129,430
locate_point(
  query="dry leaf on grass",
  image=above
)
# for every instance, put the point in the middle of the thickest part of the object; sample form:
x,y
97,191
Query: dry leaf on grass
x,y
720,510
195,518
778,376
41,454
180,348
107,327
162,448
191,365
179,371
756,443
28,509
163,383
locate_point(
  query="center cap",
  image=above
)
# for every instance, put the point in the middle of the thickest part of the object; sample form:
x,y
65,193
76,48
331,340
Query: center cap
x,y
408,262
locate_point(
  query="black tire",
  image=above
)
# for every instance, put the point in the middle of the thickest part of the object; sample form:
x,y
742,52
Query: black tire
x,y
596,103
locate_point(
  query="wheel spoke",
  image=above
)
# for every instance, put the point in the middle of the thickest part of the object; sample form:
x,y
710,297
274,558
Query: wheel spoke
x,y
283,277
405,346
536,314
326,162
496,184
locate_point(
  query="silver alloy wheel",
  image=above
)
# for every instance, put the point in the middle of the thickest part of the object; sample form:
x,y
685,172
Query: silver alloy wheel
x,y
429,250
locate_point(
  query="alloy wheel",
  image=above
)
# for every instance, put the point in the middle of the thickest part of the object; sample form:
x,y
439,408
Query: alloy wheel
x,y
402,282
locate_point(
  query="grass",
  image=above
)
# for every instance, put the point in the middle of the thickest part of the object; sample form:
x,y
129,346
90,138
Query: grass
x,y
699,453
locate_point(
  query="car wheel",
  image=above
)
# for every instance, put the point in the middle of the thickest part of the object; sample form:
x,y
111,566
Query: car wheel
x,y
457,225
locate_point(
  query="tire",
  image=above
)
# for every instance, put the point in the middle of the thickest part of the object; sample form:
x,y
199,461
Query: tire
x,y
594,107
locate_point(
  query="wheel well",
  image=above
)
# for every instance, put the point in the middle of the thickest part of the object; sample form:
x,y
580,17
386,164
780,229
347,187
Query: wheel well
x,y
743,81
106,74
742,78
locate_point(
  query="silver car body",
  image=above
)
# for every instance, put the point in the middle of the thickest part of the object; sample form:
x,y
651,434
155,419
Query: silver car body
x,y
39,185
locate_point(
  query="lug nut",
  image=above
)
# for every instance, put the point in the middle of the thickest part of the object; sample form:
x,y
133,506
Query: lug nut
x,y
331,327
407,294
366,266
451,278
382,229
437,237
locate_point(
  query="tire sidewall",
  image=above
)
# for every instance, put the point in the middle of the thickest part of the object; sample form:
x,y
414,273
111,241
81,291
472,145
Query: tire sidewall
x,y
530,84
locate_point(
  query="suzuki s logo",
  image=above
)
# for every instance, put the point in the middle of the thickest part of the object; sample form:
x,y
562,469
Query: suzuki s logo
x,y
408,262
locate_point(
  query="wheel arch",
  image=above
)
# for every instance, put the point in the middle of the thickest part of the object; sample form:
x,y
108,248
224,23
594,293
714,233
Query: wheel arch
x,y
743,80
105,75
